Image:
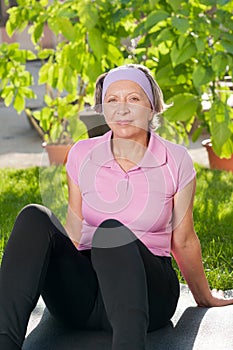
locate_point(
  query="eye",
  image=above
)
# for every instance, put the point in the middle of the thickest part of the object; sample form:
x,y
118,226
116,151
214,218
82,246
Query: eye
x,y
134,98
111,100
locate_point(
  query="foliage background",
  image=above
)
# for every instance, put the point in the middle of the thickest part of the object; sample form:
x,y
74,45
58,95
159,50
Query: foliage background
x,y
186,44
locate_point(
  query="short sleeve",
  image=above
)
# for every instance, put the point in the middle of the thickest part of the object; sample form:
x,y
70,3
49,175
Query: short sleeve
x,y
72,164
186,171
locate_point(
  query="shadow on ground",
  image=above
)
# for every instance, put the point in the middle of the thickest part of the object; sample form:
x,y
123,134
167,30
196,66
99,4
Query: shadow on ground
x,y
191,328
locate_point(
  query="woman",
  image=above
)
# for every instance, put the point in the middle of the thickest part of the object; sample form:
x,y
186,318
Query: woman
x,y
130,206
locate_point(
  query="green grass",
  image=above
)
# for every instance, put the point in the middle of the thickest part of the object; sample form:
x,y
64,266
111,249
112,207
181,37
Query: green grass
x,y
213,212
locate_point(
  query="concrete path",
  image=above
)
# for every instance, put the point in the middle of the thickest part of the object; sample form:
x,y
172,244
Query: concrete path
x,y
191,328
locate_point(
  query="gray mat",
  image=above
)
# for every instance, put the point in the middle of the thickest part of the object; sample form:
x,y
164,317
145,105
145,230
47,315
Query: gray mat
x,y
190,328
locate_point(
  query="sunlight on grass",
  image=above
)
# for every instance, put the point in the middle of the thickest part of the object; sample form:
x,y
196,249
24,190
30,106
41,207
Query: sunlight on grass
x,y
213,211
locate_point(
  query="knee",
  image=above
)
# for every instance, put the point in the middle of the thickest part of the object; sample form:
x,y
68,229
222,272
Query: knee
x,y
34,211
41,216
112,233
111,223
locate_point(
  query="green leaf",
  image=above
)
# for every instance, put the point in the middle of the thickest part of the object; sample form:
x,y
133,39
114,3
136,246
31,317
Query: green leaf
x,y
219,126
45,118
200,44
175,4
37,115
88,14
26,92
227,45
184,107
115,55
97,43
10,28
219,63
154,18
183,54
227,149
45,53
153,3
208,2
165,76
38,31
197,133
202,75
43,73
67,29
9,98
31,55
48,100
94,67
54,25
19,103
44,2
181,24
165,35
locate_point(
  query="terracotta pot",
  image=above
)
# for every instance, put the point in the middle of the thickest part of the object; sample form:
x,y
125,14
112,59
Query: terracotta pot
x,y
57,153
215,161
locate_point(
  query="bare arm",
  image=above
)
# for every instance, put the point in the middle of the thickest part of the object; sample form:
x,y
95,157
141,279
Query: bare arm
x,y
73,224
186,250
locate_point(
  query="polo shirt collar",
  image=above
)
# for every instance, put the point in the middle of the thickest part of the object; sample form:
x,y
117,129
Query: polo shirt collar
x,y
155,155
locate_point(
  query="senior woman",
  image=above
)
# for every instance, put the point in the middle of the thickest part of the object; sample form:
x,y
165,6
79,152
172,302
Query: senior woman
x,y
130,207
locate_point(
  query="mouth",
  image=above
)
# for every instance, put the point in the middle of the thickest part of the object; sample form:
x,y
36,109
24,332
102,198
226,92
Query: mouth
x,y
123,121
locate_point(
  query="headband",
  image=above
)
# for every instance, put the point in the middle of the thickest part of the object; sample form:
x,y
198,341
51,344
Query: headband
x,y
128,73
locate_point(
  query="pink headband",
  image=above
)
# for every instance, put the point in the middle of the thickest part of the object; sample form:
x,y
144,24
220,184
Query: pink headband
x,y
128,73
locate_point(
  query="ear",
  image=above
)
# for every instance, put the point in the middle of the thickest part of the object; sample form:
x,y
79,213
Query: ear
x,y
150,115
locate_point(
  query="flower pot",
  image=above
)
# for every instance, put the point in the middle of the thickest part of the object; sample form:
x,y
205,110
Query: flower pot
x,y
57,153
215,161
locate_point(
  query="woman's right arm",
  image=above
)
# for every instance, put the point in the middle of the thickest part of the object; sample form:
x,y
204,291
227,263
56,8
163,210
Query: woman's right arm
x,y
73,224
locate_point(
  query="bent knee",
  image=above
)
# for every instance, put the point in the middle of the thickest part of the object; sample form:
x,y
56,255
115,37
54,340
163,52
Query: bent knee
x,y
35,210
39,217
112,233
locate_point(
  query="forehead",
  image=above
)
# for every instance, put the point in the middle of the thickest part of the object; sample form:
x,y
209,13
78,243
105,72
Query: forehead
x,y
124,86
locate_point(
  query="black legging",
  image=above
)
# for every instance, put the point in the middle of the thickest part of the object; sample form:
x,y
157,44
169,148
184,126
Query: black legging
x,y
124,289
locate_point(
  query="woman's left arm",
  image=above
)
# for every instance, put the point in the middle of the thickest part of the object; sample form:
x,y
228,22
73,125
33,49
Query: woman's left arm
x,y
186,250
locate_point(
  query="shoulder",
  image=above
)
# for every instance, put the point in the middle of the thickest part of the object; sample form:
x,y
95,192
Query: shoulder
x,y
172,147
178,161
84,147
174,152
79,153
87,143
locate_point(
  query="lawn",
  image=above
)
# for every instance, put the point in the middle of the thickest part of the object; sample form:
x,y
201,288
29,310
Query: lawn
x,y
213,211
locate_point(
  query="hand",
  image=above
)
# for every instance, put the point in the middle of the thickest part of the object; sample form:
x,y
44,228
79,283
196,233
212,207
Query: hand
x,y
218,299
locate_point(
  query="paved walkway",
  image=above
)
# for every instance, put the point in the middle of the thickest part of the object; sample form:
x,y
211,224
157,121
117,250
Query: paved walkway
x,y
191,328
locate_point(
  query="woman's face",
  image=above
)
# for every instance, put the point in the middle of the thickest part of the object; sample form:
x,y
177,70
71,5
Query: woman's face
x,y
127,109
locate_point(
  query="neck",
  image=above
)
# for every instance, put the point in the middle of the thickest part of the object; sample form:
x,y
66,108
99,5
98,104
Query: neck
x,y
129,151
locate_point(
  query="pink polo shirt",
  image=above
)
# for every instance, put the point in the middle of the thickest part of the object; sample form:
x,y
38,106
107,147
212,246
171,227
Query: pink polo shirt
x,y
141,198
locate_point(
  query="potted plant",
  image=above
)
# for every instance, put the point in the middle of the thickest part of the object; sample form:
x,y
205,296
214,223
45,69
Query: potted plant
x,y
59,125
219,122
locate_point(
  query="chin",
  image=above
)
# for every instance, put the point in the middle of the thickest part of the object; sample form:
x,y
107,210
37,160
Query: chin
x,y
127,131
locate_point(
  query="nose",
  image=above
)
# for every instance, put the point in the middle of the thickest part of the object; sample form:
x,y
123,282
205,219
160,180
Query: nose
x,y
122,108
